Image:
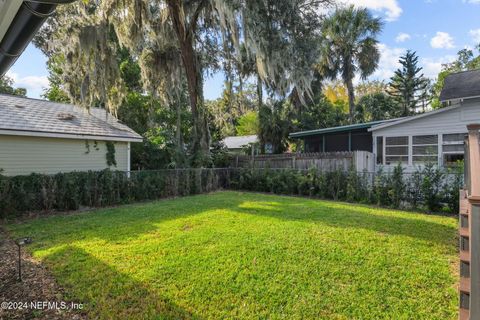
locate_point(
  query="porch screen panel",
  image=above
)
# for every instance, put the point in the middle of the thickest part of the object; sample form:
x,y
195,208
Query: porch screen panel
x,y
362,141
336,142
379,150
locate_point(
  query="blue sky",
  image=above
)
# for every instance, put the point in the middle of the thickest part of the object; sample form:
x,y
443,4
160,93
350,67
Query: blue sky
x,y
436,29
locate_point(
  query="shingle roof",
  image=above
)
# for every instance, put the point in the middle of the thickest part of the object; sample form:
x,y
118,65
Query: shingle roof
x,y
39,117
461,85
239,142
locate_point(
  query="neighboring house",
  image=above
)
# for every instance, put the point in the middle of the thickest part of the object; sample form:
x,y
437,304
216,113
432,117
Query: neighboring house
x,y
238,144
355,137
47,137
432,137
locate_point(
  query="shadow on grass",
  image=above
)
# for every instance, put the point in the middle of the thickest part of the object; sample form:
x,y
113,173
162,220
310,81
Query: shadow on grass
x,y
120,223
107,293
345,215
131,221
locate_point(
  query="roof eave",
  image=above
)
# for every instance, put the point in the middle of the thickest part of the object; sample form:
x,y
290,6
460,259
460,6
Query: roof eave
x,y
408,119
23,21
346,128
43,134
459,98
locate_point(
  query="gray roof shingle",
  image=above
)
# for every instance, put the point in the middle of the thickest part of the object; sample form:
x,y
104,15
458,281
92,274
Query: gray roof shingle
x,y
460,85
39,116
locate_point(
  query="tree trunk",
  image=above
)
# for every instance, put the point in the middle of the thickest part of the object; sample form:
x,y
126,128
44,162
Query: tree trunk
x,y
180,160
351,99
259,92
259,106
201,140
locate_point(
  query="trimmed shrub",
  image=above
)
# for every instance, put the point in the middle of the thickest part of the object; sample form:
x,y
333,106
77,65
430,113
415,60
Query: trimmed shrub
x,y
429,188
70,191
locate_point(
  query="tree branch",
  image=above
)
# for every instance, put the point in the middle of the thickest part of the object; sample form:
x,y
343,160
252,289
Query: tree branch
x,y
193,21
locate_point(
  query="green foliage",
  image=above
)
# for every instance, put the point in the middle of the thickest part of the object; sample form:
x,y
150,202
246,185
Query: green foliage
x,y
234,113
220,156
397,191
56,91
275,125
70,191
376,106
110,154
319,113
349,47
408,86
247,124
429,188
6,86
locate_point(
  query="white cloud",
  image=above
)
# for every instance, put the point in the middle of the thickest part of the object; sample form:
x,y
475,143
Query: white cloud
x,y
475,35
442,40
472,1
432,66
391,8
389,57
402,37
33,84
388,61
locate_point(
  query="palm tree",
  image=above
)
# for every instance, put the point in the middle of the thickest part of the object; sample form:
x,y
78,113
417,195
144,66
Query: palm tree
x,y
349,46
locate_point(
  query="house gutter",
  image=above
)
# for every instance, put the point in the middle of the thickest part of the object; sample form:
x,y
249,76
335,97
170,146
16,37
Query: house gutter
x,y
28,20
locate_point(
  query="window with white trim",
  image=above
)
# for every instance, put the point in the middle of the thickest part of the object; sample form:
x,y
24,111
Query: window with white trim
x,y
425,149
396,150
453,149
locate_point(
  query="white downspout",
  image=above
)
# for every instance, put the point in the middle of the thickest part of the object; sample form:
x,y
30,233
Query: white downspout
x,y
128,159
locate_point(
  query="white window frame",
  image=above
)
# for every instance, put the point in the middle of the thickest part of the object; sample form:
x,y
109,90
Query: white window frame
x,y
410,148
411,155
408,145
451,143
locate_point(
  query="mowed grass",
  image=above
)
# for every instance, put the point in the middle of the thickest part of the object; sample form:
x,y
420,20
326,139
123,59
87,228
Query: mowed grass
x,y
251,256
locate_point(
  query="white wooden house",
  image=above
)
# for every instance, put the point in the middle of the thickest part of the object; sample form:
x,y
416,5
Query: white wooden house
x,y
433,137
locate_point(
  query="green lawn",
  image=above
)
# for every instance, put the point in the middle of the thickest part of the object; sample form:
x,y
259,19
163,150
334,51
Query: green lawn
x,y
242,255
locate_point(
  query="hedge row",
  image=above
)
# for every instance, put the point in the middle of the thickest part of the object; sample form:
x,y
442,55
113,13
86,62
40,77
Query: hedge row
x,y
429,189
71,191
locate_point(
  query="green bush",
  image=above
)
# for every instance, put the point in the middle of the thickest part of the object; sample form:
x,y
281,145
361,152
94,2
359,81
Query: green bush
x,y
70,191
429,188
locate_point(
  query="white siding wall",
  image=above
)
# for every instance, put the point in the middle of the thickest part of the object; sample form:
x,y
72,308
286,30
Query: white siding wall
x,y
452,121
24,155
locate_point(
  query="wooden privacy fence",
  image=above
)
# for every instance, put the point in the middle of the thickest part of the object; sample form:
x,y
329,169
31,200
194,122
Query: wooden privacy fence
x,y
470,229
323,161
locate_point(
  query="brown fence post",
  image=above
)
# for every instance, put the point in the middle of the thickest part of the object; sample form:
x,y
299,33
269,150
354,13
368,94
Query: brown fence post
x,y
470,229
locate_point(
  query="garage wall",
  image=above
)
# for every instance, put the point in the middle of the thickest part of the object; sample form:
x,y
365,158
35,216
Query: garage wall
x,y
24,155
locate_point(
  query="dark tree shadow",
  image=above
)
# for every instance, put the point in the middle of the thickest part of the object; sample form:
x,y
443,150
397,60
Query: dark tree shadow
x,y
131,221
107,293
120,223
